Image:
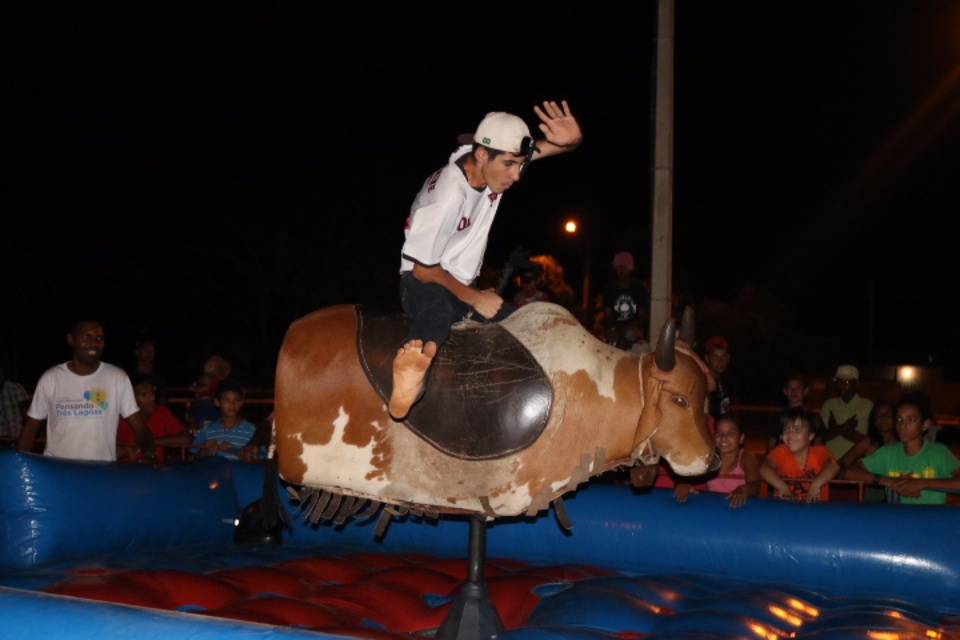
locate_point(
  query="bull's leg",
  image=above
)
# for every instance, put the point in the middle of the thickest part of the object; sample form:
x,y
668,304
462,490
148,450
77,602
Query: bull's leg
x,y
409,371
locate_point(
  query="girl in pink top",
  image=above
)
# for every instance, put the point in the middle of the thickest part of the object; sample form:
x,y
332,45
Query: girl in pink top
x,y
739,473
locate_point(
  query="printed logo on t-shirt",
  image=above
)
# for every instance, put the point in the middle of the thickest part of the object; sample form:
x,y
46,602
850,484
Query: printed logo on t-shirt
x,y
97,397
624,308
928,472
94,404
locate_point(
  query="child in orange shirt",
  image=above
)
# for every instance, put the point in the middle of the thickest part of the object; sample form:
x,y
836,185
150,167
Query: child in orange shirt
x,y
798,457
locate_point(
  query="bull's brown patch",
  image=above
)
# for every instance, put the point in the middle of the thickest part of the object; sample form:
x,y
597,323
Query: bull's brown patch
x,y
290,459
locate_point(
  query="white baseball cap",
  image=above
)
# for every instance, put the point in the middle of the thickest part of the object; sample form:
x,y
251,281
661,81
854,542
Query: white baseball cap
x,y
502,131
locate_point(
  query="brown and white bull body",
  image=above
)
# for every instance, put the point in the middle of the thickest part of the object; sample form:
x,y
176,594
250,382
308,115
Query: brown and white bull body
x,y
609,408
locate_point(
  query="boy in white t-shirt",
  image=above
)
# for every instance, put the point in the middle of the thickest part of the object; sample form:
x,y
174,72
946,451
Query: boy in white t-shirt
x,y
446,235
82,401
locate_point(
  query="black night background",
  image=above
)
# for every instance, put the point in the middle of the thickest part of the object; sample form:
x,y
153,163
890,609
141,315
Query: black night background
x,y
206,173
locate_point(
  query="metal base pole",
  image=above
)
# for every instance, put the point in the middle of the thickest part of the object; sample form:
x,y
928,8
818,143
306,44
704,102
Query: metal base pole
x,y
473,614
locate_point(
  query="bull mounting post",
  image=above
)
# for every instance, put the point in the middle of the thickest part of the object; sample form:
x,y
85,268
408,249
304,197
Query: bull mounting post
x,y
473,614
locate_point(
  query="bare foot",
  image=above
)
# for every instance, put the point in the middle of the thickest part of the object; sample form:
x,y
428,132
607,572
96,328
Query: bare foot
x,y
409,369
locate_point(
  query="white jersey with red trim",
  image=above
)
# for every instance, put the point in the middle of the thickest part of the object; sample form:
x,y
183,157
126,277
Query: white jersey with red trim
x,y
449,223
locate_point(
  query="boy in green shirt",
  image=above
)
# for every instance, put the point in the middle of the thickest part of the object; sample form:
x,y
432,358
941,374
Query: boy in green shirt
x,y
912,466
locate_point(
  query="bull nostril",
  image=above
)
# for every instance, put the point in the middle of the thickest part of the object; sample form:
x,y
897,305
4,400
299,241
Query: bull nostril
x,y
715,461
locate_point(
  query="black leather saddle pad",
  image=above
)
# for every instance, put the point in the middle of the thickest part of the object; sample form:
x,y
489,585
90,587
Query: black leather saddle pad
x,y
486,397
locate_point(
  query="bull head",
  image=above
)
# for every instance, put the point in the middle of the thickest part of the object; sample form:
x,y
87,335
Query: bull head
x,y
673,384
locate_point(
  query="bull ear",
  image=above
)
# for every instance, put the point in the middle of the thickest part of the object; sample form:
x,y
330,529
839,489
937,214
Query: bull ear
x,y
688,326
666,356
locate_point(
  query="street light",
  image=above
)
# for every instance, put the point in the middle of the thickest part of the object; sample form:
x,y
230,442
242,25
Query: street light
x,y
571,227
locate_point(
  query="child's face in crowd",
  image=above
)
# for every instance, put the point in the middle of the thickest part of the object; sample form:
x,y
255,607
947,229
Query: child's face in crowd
x,y
718,359
883,419
230,403
727,436
795,393
217,366
797,435
146,397
910,424
146,353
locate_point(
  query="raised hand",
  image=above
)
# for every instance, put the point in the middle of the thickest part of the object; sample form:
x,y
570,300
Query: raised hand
x,y
558,124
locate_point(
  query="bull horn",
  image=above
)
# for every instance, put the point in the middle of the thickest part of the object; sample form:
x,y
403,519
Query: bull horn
x,y
666,357
688,326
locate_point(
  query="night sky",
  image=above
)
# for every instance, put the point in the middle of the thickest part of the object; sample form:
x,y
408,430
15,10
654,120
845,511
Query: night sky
x,y
208,173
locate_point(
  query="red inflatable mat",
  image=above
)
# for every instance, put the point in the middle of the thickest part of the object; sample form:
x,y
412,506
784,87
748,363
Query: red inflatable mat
x,y
362,594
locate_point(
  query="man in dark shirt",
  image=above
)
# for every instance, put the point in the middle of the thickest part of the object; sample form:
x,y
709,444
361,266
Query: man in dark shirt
x,y
626,305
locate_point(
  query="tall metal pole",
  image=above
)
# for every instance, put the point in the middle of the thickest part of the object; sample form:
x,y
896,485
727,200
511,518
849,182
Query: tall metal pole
x,y
587,302
661,268
872,295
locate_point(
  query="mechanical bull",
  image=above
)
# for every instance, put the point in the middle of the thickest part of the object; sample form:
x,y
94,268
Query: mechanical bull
x,y
515,414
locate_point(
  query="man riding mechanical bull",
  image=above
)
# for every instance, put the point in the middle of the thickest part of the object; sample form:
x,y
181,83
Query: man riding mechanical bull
x,y
508,415
446,235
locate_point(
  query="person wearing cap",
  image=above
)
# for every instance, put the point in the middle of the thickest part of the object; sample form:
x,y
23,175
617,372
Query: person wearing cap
x,y
446,235
846,417
626,305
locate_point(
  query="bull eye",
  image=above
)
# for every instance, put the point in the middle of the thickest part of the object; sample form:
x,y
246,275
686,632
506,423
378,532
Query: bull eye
x,y
680,401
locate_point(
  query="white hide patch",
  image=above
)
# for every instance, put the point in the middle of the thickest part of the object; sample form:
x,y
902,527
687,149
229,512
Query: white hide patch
x,y
561,345
340,464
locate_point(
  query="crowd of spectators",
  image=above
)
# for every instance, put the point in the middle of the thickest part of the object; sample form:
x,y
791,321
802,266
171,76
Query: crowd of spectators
x,y
890,449
87,409
92,410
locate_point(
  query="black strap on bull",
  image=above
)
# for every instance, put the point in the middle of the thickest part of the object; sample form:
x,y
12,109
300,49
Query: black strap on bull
x,y
486,396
